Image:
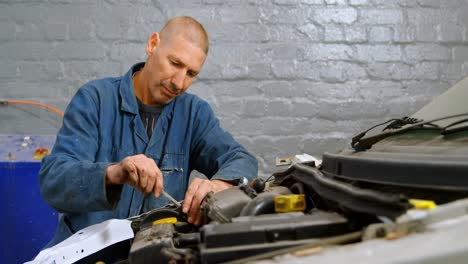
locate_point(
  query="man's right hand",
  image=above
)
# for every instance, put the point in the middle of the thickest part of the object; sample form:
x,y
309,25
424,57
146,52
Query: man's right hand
x,y
138,171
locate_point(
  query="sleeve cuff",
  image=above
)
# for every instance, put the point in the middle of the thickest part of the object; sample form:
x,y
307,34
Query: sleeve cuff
x,y
113,194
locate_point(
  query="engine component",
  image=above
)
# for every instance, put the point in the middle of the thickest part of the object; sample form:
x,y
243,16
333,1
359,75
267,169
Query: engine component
x,y
358,200
151,243
225,205
163,235
264,203
250,235
290,203
258,184
147,219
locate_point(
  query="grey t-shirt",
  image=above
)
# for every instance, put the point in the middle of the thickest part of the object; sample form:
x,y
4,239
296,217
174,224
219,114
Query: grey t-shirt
x,y
149,115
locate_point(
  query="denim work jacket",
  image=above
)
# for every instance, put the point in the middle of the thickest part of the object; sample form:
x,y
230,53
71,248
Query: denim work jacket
x,y
102,126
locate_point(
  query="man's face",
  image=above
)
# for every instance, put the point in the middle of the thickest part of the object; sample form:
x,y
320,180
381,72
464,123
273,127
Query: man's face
x,y
170,69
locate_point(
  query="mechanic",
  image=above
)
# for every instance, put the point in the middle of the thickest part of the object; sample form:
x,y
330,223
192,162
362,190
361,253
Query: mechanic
x,y
125,139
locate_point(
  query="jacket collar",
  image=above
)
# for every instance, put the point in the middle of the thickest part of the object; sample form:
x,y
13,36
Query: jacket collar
x,y
127,92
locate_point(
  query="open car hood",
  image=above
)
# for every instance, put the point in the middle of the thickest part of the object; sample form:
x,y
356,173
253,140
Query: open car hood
x,y
452,102
420,158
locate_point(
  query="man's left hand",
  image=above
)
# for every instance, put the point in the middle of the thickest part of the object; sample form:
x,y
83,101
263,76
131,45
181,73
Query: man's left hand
x,y
195,194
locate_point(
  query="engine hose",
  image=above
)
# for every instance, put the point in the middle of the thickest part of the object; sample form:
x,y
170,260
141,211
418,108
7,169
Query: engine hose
x,y
187,240
264,203
346,195
297,188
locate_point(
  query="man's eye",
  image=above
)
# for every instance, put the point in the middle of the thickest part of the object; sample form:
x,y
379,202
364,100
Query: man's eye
x,y
175,63
191,74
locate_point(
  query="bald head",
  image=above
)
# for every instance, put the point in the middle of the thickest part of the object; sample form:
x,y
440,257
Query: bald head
x,y
188,28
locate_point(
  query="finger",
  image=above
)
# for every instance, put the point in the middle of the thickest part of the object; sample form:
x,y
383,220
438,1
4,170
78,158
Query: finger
x,y
143,178
156,177
146,173
131,170
150,184
159,184
203,189
151,177
189,194
199,217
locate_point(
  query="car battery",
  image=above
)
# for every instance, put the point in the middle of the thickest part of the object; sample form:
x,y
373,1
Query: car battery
x,y
28,223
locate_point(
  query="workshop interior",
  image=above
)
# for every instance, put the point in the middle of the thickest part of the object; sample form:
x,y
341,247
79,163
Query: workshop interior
x,y
355,111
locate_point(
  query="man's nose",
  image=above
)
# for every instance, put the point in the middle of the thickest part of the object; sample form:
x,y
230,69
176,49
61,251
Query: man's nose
x,y
178,80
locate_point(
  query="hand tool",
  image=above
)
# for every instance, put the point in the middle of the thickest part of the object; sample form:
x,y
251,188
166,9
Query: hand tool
x,y
170,198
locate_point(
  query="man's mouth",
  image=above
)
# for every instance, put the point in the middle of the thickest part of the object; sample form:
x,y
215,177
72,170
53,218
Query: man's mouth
x,y
169,91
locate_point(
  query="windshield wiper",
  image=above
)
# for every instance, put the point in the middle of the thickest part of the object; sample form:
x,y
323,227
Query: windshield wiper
x,y
399,123
449,130
360,143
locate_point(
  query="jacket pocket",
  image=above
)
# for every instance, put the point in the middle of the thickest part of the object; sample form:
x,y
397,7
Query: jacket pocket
x,y
174,181
174,175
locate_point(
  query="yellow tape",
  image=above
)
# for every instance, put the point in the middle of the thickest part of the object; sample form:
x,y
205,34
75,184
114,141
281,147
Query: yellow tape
x,y
169,220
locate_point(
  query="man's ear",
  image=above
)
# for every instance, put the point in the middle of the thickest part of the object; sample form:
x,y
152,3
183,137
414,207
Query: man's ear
x,y
153,42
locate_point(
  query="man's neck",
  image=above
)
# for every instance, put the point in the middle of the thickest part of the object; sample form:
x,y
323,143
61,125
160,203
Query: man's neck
x,y
138,87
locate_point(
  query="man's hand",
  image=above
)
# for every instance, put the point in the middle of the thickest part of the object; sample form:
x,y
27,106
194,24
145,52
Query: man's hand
x,y
138,171
195,194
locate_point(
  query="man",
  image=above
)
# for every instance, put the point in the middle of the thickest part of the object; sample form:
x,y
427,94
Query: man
x,y
125,139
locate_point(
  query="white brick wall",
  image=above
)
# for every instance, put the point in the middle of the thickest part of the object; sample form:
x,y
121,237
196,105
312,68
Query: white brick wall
x,y
284,76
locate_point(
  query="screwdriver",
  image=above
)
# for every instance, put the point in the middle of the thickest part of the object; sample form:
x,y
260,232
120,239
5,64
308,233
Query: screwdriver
x,y
170,198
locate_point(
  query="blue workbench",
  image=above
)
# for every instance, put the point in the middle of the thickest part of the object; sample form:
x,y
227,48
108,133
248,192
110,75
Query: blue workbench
x,y
28,223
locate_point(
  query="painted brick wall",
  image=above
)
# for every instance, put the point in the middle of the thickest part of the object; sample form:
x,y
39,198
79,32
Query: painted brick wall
x,y
284,76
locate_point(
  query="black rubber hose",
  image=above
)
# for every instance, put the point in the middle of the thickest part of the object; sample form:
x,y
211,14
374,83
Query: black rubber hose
x,y
297,188
346,195
187,240
264,203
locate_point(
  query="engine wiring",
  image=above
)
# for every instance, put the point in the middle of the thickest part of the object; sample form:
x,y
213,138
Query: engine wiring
x,y
23,102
